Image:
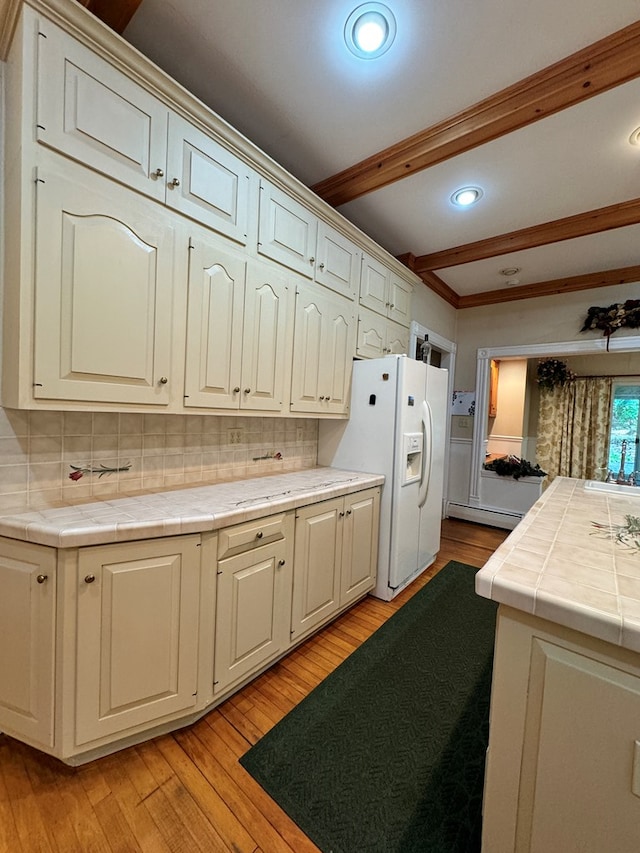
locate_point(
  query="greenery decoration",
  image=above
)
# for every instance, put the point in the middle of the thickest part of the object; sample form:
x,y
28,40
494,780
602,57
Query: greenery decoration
x,y
627,534
513,466
552,372
612,318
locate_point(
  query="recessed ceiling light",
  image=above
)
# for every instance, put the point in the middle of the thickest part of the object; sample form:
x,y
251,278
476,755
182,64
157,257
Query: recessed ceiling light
x,y
509,271
370,30
634,139
466,196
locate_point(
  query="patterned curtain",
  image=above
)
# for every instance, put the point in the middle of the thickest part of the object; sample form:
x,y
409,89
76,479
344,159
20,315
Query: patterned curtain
x,y
573,428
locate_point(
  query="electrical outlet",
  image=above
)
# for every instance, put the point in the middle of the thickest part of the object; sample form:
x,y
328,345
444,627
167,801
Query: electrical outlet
x,y
235,436
299,434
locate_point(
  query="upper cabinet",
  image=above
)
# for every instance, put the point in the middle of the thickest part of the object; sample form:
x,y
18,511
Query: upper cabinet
x,y
384,292
103,293
291,234
239,330
93,113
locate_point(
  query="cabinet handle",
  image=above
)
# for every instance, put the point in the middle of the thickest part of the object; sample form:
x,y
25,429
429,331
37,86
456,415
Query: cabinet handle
x,y
247,390
341,514
89,578
163,380
321,266
236,389
322,398
391,305
174,182
158,173
348,512
42,578
327,398
259,534
281,562
312,260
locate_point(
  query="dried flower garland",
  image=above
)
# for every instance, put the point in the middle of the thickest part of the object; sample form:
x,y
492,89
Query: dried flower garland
x,y
514,466
613,317
552,372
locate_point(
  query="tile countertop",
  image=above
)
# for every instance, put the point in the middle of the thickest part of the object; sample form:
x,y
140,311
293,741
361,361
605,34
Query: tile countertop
x,y
558,565
186,510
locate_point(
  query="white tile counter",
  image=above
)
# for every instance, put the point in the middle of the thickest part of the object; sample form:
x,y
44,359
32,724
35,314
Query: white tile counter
x,y
178,511
563,563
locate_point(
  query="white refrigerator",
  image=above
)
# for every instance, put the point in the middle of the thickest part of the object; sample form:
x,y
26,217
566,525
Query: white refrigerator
x,y
396,427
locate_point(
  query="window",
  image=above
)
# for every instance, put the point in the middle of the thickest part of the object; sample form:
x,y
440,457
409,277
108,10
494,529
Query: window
x,y
624,437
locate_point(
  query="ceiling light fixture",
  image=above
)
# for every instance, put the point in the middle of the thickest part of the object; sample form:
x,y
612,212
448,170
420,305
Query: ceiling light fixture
x,y
634,139
370,30
510,271
466,196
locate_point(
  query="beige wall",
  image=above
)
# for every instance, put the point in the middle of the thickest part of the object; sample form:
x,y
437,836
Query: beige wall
x,y
512,379
432,311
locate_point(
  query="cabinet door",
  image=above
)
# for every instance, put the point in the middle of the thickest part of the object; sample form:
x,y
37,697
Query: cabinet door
x,y
252,612
95,114
399,300
214,325
323,350
337,261
103,294
359,544
27,644
316,573
207,182
372,334
397,338
286,230
374,285
137,634
266,348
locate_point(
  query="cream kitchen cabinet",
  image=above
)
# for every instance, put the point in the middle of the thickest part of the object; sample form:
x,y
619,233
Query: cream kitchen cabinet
x,y
137,627
563,764
335,559
90,111
378,336
239,330
323,350
103,293
292,235
253,608
384,292
28,648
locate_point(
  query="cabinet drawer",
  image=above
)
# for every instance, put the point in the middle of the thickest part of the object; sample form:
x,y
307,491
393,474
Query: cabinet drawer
x,y
251,534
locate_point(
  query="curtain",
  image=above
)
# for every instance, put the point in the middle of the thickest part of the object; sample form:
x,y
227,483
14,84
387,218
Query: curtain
x,y
573,428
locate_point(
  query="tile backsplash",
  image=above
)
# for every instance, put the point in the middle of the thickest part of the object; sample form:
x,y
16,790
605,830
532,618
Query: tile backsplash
x,y
38,450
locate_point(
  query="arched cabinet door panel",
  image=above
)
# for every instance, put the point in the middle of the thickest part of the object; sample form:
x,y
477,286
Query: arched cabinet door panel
x,y
103,295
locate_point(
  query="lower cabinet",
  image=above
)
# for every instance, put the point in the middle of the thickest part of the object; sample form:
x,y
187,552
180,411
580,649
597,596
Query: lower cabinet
x,y
27,647
137,634
253,597
102,644
563,764
336,551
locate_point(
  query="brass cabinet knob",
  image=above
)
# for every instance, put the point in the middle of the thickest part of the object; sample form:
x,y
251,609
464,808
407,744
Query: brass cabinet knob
x,y
281,562
247,390
89,578
163,380
158,173
259,534
312,260
42,578
236,390
174,182
348,512
321,266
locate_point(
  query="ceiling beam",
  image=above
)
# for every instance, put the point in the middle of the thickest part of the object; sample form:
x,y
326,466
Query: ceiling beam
x,y
114,13
591,222
603,65
605,278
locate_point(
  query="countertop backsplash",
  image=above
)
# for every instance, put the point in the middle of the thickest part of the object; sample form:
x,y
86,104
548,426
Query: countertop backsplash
x,y
39,450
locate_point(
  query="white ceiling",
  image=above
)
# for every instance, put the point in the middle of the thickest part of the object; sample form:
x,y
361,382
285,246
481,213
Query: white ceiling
x,y
279,71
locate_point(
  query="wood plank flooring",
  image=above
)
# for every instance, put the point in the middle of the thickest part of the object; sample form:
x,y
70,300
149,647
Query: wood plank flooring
x,y
186,791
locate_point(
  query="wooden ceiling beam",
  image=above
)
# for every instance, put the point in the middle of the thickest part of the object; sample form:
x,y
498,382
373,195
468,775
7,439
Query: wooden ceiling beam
x,y
591,222
604,278
603,65
114,13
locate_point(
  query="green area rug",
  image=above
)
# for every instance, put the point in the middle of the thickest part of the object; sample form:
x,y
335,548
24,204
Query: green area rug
x,y
387,754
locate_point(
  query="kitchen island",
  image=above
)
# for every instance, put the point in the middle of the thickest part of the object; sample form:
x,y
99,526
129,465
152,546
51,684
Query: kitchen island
x,y
563,764
132,616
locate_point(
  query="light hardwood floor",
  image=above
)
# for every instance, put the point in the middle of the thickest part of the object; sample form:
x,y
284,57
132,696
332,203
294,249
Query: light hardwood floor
x,y
186,791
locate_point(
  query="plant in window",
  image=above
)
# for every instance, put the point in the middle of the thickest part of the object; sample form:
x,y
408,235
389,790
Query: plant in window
x,y
513,466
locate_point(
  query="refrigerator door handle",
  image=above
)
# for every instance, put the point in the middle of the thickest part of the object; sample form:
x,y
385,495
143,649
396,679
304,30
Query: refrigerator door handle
x,y
427,452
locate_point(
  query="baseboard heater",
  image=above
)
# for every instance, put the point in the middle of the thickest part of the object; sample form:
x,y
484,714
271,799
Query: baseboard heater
x,y
483,515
